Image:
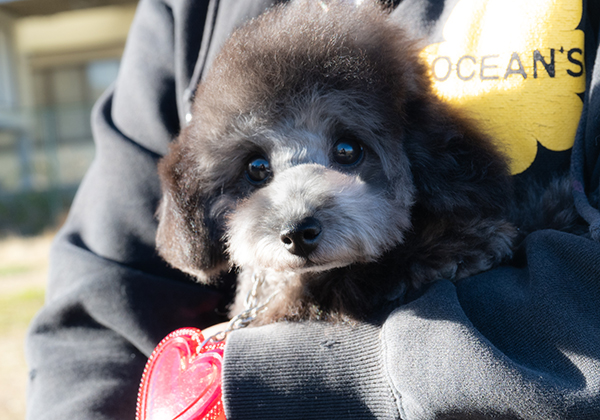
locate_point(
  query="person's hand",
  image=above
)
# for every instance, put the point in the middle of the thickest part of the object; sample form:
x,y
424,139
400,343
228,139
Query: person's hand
x,y
214,329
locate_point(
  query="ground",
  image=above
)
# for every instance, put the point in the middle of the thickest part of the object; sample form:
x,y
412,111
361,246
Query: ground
x,y
23,269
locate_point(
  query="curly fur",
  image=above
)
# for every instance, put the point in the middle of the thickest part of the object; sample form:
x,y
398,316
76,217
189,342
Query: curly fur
x,y
427,201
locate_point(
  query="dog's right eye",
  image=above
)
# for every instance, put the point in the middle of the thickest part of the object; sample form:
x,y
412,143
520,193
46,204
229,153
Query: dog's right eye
x,y
348,151
258,170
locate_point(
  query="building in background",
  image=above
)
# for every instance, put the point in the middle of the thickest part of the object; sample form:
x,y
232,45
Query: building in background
x,y
56,59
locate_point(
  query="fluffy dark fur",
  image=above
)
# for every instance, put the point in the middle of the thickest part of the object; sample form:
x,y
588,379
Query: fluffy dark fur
x,y
427,199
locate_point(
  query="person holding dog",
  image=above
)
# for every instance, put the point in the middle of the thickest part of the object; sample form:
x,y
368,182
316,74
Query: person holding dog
x,y
518,341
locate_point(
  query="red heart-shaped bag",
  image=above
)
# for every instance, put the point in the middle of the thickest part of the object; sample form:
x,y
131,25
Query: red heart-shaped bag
x,y
182,380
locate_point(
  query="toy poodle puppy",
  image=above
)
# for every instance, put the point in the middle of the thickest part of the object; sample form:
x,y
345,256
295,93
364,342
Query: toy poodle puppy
x,y
320,162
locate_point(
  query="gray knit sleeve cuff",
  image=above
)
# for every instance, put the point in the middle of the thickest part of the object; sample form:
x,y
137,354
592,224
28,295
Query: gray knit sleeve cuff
x,y
312,370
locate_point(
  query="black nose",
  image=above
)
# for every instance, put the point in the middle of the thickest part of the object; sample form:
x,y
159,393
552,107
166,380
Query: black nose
x,y
303,238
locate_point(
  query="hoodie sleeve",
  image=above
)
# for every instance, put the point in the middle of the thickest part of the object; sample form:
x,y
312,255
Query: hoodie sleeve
x,y
110,299
511,343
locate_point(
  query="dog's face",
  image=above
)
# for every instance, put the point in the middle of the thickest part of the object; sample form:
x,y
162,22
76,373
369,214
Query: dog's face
x,y
318,190
322,184
311,141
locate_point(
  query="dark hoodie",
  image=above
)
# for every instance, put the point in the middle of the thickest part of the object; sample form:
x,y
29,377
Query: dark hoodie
x,y
519,341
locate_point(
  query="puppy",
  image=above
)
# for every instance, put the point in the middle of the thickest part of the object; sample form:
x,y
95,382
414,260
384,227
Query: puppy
x,y
319,160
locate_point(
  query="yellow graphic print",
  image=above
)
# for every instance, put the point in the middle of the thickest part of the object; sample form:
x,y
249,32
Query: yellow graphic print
x,y
516,67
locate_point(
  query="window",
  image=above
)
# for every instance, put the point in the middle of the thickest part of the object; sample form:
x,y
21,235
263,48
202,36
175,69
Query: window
x,y
7,93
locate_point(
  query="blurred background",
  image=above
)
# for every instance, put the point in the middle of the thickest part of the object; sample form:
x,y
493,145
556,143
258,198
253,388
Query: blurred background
x,y
56,59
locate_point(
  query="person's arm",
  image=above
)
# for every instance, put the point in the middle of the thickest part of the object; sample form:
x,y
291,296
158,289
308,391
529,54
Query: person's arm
x,y
110,298
512,343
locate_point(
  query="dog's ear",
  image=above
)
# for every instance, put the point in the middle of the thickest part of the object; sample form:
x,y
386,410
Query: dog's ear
x,y
189,233
456,168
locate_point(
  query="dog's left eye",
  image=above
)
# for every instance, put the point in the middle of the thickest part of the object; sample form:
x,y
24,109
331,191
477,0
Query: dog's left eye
x,y
347,151
258,170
